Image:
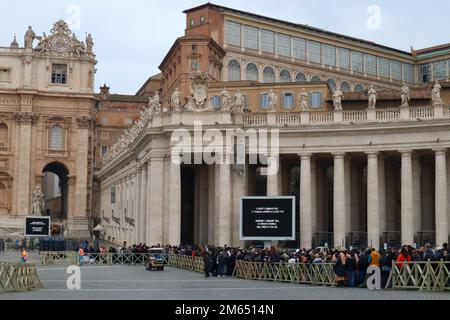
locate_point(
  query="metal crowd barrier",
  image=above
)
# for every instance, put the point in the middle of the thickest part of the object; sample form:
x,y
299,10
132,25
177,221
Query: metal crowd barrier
x,y
422,276
62,257
314,274
72,257
190,263
18,277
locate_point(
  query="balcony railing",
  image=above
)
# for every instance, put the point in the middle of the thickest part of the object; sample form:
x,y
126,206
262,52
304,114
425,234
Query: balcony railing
x,y
347,117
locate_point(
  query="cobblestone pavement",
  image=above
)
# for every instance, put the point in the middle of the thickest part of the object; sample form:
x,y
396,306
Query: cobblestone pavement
x,y
135,283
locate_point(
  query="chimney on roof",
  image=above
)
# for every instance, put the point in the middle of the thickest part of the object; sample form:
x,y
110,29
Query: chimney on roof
x,y
104,92
413,52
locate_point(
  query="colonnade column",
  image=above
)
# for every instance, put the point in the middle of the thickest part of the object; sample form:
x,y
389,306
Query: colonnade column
x,y
441,197
273,180
155,204
339,200
175,204
224,229
373,201
305,202
142,204
407,208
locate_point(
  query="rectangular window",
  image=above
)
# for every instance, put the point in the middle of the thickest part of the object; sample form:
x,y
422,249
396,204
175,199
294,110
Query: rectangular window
x,y
408,72
105,136
264,102
396,70
440,70
370,64
5,75
192,23
244,102
288,100
59,73
233,33
425,73
284,45
315,99
329,55
215,101
299,48
344,58
113,194
104,151
314,51
384,68
251,37
357,62
267,41
202,19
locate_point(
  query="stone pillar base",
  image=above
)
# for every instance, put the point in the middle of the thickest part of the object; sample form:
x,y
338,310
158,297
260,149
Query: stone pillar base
x,y
77,228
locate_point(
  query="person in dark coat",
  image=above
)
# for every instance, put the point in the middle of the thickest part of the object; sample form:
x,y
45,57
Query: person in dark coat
x,y
340,269
206,263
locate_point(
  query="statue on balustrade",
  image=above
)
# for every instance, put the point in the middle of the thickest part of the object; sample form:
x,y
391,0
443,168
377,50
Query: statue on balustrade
x,y
89,44
175,101
238,103
29,38
372,93
38,202
272,101
226,99
436,94
304,101
405,96
337,99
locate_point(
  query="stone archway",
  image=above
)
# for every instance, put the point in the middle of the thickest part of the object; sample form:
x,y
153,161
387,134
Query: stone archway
x,y
55,187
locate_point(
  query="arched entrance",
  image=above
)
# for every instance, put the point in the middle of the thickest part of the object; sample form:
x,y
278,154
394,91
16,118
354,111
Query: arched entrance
x,y
55,188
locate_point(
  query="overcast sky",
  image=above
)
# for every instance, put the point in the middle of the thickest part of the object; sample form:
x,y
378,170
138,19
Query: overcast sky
x,y
132,37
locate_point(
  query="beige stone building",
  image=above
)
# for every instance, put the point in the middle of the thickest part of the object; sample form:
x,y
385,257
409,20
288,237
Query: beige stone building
x,y
363,137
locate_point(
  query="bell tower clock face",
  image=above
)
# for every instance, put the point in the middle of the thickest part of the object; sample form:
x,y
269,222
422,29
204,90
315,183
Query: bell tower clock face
x,y
60,43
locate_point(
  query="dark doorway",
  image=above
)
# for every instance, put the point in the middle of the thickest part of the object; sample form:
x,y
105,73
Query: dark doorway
x,y
55,188
187,205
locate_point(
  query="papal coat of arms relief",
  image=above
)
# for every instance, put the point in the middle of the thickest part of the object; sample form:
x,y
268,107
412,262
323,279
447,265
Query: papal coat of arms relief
x,y
198,99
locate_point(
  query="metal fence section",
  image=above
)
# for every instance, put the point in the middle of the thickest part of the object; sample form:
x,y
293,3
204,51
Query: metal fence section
x,y
187,262
314,274
72,257
18,277
422,276
63,257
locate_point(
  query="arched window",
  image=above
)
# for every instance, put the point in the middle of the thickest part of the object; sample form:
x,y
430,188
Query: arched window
x,y
3,135
234,71
251,72
345,87
315,79
56,138
285,76
268,75
359,88
332,84
300,77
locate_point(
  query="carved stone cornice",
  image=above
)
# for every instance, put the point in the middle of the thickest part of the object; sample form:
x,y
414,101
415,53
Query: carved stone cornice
x,y
25,117
84,122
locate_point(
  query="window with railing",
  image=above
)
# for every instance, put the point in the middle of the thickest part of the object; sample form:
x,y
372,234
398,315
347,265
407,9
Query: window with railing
x,y
233,33
59,74
288,100
267,41
314,51
329,55
264,100
56,138
284,45
251,37
357,62
234,70
299,48
251,72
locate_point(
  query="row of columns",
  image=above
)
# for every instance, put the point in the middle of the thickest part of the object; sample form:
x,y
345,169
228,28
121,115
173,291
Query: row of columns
x,y
376,197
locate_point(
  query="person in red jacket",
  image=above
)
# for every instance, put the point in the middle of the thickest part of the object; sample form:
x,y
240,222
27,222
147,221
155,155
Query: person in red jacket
x,y
403,257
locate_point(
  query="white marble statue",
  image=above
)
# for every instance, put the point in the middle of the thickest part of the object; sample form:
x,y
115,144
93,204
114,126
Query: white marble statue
x,y
175,101
238,102
89,44
226,99
272,101
38,201
29,38
337,99
405,96
436,94
304,101
372,93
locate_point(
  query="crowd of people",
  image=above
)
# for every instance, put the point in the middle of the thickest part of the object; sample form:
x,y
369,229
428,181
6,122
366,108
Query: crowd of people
x,y
350,266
